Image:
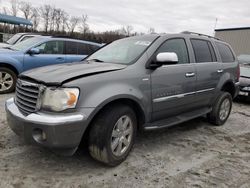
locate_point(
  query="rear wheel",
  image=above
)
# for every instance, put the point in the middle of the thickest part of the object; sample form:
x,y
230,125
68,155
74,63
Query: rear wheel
x,y
7,80
112,134
221,109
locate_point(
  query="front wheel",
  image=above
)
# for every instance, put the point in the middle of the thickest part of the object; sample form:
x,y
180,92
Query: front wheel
x,y
7,80
221,109
112,134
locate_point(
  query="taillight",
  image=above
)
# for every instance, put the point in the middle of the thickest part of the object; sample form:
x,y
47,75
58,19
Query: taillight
x,y
238,72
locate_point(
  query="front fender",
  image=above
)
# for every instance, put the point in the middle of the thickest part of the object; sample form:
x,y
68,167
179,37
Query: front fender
x,y
18,65
105,94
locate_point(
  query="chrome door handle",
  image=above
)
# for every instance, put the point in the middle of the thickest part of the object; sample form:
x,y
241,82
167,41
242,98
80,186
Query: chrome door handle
x,y
190,74
220,71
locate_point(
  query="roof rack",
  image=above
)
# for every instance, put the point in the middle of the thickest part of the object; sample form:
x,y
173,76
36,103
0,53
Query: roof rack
x,y
199,34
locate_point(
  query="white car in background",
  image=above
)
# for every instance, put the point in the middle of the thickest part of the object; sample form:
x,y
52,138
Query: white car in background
x,y
244,61
19,37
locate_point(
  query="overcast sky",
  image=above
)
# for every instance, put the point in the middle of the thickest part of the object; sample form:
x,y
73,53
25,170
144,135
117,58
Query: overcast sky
x,y
163,15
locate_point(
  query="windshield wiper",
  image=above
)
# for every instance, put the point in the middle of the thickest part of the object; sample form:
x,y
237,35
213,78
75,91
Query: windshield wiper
x,y
95,60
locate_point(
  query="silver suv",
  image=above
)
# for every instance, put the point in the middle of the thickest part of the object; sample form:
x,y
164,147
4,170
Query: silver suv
x,y
144,82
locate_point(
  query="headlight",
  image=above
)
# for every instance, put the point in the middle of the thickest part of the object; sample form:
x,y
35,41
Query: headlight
x,y
59,99
246,89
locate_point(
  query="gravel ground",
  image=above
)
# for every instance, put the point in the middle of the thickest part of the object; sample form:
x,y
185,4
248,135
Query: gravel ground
x,y
193,154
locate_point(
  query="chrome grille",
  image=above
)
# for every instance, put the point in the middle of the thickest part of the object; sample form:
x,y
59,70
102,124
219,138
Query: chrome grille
x,y
27,94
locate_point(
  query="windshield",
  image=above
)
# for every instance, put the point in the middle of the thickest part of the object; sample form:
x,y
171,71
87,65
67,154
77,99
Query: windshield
x,y
14,39
24,45
123,51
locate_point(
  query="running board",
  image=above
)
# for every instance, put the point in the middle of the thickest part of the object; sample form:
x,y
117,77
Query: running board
x,y
176,119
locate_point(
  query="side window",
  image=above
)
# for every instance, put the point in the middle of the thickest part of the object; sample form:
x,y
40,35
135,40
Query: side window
x,y
225,52
71,48
51,47
203,51
178,46
86,49
83,49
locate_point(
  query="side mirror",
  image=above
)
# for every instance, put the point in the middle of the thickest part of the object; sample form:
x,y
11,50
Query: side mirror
x,y
33,51
166,58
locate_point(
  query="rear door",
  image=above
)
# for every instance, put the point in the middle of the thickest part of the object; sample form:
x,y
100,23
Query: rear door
x,y
173,86
51,52
209,71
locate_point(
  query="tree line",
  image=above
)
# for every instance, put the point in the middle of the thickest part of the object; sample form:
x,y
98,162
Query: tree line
x,y
51,20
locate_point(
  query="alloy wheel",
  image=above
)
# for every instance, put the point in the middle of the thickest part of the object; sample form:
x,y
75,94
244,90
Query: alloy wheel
x,y
121,136
6,81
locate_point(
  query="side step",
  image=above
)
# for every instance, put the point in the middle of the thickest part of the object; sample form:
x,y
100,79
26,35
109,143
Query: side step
x,y
176,119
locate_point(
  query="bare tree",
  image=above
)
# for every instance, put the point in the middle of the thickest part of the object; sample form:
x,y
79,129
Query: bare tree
x,y
84,25
72,23
126,30
58,18
5,10
45,14
52,18
14,7
26,9
64,19
129,29
35,18
151,30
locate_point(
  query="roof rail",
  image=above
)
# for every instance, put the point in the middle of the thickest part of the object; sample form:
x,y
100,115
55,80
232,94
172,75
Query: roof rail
x,y
199,34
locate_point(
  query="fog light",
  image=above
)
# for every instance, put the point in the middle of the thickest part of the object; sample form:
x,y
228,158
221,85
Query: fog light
x,y
39,135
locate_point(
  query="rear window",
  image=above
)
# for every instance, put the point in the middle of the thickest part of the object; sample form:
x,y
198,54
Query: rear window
x,y
225,52
203,51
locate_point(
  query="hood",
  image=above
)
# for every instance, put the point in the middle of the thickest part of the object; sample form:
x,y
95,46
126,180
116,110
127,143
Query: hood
x,y
59,74
4,45
4,51
245,71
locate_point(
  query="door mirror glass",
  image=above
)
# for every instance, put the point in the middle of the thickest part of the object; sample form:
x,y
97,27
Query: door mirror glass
x,y
34,51
166,58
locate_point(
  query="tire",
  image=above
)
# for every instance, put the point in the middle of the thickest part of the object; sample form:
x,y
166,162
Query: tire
x,y
218,116
105,131
7,80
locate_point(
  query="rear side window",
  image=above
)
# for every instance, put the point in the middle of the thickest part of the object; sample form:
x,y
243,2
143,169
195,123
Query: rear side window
x,y
225,52
77,48
71,47
203,50
85,49
178,46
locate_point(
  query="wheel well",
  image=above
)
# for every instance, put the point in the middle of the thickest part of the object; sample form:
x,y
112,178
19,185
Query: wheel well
x,y
131,103
229,87
10,67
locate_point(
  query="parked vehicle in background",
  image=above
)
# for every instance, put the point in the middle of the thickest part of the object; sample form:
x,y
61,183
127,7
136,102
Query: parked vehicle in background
x,y
144,82
244,61
15,39
37,52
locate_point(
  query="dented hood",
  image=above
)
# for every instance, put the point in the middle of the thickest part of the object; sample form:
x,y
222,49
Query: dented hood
x,y
59,74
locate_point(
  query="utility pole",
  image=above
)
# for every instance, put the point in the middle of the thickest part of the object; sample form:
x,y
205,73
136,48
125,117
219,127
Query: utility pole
x,y
215,25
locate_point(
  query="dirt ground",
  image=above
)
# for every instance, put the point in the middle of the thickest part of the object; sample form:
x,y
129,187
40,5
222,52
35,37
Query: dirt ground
x,y
193,154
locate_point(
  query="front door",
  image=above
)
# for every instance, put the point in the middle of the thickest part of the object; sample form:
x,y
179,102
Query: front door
x,y
173,86
51,52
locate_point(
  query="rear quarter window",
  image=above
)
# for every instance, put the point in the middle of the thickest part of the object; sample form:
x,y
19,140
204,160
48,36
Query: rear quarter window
x,y
203,51
225,52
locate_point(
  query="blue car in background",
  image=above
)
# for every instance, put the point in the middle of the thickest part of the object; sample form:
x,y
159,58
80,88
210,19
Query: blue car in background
x,y
37,52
